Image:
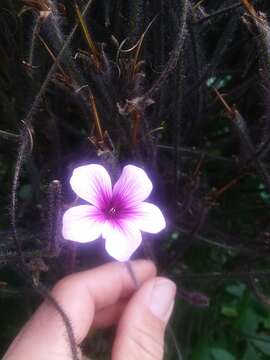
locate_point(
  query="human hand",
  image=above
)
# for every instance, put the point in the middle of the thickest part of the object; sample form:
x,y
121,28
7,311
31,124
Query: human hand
x,y
99,298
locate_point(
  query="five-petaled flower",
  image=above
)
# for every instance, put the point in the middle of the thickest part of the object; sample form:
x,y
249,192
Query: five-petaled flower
x,y
118,214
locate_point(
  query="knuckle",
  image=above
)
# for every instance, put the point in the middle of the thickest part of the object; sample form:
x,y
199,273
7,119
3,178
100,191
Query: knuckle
x,y
65,284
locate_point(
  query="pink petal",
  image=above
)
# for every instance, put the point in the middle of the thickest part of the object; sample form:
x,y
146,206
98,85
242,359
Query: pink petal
x,y
121,239
92,183
82,223
149,218
133,186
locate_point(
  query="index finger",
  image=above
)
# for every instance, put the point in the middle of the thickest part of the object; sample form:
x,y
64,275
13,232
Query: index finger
x,y
80,296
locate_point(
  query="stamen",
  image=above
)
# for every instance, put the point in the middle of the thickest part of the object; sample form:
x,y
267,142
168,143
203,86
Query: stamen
x,y
112,211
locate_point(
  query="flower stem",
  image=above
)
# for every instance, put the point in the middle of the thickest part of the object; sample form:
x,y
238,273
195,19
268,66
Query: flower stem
x,y
132,274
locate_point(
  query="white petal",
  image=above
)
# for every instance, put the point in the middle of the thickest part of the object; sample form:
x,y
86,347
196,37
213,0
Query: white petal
x,y
82,223
149,218
121,239
133,186
92,183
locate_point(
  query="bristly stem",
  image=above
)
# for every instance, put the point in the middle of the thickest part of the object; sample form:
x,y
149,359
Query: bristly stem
x,y
25,143
215,16
33,41
25,137
173,60
45,294
45,83
54,217
222,45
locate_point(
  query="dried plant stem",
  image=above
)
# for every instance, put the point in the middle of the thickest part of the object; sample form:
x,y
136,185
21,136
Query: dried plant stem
x,y
45,293
33,41
221,47
54,217
43,88
174,55
222,12
96,117
240,125
23,148
8,136
91,44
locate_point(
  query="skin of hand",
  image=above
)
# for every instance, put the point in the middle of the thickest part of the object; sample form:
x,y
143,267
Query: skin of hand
x,y
99,298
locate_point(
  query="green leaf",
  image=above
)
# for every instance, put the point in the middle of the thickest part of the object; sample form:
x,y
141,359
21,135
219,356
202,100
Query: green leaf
x,y
202,350
221,354
262,344
266,322
250,353
236,290
249,321
229,311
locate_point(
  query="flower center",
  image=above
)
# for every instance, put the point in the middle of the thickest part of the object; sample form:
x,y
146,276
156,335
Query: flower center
x,y
112,211
115,209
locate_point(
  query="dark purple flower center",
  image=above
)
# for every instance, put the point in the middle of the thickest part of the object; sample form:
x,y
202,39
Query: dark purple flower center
x,y
116,208
113,208
112,212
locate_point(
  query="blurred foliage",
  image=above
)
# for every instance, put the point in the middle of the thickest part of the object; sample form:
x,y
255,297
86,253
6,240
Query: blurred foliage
x,y
189,103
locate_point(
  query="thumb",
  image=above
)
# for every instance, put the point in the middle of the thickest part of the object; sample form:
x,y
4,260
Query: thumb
x,y
141,329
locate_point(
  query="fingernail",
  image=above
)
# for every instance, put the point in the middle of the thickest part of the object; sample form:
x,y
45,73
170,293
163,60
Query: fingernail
x,y
162,299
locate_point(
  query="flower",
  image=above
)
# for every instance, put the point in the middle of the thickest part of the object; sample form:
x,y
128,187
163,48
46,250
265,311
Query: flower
x,y
119,214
